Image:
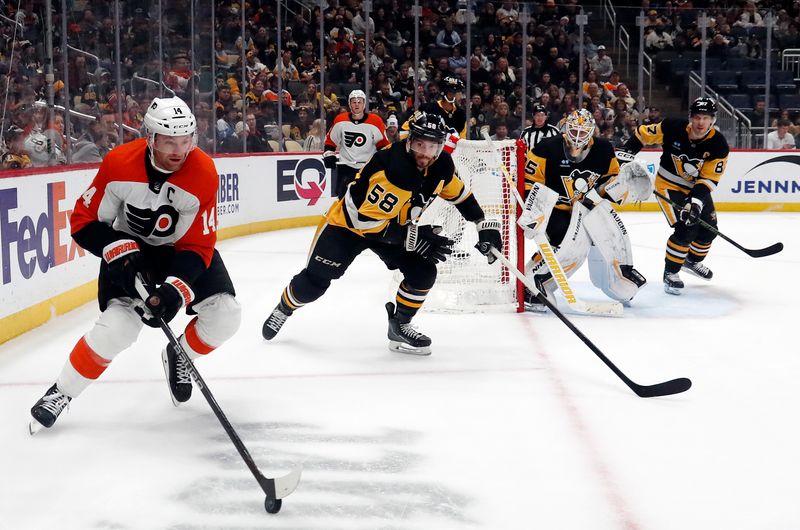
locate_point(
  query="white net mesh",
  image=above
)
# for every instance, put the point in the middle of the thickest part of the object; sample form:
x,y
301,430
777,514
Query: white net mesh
x,y
466,282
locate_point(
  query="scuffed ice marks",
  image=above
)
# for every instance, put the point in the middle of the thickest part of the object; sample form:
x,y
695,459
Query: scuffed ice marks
x,y
350,481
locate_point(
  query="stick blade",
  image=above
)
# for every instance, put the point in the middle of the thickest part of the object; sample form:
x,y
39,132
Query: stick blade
x,y
286,484
768,251
667,388
601,309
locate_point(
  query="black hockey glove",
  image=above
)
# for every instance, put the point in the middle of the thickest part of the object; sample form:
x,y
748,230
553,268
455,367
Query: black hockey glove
x,y
488,237
690,213
124,260
426,241
329,159
166,301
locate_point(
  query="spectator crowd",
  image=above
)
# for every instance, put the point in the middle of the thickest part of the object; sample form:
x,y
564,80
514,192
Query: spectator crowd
x,y
279,105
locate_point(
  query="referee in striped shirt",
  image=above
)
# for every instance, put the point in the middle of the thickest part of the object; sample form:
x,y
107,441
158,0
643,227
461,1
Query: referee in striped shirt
x,y
540,129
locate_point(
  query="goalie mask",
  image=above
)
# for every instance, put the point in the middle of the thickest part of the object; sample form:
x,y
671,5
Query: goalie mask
x,y
171,130
426,136
578,132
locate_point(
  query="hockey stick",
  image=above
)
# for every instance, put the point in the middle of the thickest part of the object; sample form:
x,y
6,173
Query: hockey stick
x,y
666,388
275,488
755,253
610,309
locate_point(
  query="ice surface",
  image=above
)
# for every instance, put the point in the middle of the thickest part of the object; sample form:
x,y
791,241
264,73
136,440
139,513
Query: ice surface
x,y
512,423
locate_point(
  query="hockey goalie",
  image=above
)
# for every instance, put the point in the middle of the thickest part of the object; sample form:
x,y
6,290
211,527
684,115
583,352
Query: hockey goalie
x,y
572,181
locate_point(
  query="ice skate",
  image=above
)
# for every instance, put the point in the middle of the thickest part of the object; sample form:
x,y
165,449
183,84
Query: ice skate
x,y
46,411
275,321
698,269
404,338
672,283
176,368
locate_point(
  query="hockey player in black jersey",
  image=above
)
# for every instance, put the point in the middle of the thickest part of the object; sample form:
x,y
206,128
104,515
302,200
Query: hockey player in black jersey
x,y
380,211
692,162
540,129
571,180
455,118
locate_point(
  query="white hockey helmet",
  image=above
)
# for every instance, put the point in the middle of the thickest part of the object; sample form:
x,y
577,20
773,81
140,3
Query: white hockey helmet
x,y
170,117
356,94
579,130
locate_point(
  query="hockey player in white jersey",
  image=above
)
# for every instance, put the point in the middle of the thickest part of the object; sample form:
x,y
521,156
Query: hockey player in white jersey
x,y
150,210
356,135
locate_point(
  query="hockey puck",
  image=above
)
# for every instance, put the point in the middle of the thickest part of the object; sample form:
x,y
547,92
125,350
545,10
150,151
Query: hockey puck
x,y
272,505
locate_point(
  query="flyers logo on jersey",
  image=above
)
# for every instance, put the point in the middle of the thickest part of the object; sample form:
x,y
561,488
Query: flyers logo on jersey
x,y
354,139
146,223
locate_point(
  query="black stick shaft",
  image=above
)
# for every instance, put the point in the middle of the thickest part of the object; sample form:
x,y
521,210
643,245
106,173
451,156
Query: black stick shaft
x,y
666,388
756,253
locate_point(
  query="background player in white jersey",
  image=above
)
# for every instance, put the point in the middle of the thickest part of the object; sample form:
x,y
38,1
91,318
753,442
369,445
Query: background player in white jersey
x,y
540,129
356,135
151,209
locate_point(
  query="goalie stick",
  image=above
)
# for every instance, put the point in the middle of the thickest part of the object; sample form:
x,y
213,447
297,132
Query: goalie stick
x,y
610,309
755,253
274,488
675,386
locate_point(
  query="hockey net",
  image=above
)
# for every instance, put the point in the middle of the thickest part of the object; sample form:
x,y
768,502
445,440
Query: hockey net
x,y
465,281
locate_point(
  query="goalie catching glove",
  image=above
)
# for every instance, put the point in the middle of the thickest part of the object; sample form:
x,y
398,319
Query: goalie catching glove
x,y
488,237
426,241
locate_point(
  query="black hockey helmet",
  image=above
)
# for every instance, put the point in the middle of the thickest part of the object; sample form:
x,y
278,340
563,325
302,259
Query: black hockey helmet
x,y
451,84
538,107
703,105
426,126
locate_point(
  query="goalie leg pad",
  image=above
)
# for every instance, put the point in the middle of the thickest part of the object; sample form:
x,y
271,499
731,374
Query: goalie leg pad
x,y
611,258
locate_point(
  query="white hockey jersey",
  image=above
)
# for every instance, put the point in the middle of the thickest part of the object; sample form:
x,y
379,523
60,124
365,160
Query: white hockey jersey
x,y
356,140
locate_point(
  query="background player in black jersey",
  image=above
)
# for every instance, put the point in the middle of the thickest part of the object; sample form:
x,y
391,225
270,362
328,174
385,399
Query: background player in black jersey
x,y
447,106
379,211
570,179
540,129
151,209
692,162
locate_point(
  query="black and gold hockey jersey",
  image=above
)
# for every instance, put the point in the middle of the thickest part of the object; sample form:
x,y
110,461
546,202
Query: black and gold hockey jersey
x,y
390,191
684,163
456,120
548,163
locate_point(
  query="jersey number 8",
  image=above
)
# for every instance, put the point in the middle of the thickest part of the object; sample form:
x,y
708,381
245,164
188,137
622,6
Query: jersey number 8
x,y
386,201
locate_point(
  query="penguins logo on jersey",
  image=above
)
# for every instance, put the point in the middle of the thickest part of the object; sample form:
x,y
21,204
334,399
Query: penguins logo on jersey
x,y
688,168
144,222
352,138
578,182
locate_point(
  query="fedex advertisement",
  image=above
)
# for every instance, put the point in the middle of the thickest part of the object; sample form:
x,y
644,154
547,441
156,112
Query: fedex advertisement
x,y
38,256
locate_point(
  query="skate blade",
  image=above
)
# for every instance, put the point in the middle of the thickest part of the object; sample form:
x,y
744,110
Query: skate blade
x,y
401,347
672,290
693,273
165,362
535,308
34,427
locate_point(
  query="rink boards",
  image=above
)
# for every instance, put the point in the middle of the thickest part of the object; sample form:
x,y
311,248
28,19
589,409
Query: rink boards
x,y
45,274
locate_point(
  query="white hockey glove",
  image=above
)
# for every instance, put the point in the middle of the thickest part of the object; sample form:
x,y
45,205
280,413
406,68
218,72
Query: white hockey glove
x,y
488,237
538,207
623,157
451,141
632,184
